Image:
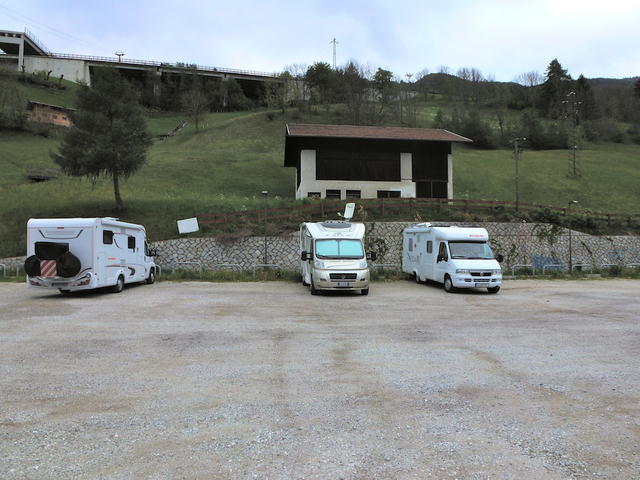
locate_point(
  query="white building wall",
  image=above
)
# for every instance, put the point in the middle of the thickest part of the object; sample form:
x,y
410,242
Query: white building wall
x,y
73,70
450,176
368,189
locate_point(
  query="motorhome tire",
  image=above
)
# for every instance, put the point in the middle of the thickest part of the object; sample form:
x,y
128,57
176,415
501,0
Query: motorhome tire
x,y
151,278
303,282
493,289
448,284
64,292
364,291
119,286
416,277
312,289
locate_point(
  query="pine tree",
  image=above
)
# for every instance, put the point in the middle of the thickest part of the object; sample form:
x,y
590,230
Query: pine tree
x,y
108,137
554,89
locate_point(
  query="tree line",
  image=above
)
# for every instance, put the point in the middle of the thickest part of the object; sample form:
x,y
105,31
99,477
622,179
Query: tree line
x,y
548,108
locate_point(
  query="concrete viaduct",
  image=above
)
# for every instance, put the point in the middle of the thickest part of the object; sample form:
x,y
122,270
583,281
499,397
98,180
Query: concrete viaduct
x,y
23,51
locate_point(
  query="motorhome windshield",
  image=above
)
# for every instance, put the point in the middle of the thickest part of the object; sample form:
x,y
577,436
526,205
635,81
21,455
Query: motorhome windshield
x,y
331,248
471,250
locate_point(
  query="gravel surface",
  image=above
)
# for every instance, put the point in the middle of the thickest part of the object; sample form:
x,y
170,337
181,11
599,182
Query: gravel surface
x,y
263,380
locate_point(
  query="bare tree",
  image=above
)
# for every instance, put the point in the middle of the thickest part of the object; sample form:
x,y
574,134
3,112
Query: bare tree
x,y
297,72
529,79
195,104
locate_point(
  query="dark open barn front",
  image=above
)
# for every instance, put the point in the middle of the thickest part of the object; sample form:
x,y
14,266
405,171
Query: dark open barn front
x,y
351,161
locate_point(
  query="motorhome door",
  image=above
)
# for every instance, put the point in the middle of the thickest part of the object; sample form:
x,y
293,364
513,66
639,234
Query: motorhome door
x,y
427,259
442,262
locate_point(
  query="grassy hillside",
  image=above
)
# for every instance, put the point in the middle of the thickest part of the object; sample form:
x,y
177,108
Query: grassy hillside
x,y
235,156
63,97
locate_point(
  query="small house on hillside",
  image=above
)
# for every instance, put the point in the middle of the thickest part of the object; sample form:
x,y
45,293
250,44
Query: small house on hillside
x,y
51,114
348,161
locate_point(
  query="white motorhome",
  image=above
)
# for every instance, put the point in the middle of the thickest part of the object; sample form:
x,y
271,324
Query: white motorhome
x,y
333,255
72,254
458,257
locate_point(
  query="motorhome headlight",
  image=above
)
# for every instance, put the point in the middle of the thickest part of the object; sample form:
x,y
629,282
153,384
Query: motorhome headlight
x,y
318,264
462,270
497,271
363,264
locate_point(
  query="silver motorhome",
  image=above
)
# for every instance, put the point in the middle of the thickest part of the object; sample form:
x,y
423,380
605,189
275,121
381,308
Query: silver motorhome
x,y
333,255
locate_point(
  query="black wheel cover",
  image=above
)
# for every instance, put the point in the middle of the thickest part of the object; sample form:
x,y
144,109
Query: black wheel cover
x,y
68,265
32,266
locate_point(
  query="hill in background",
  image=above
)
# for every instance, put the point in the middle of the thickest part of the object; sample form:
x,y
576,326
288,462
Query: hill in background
x,y
236,155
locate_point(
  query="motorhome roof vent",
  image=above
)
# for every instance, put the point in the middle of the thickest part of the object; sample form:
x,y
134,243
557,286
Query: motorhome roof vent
x,y
336,224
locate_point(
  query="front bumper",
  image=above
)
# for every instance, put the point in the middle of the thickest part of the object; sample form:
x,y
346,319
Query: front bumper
x,y
322,279
468,281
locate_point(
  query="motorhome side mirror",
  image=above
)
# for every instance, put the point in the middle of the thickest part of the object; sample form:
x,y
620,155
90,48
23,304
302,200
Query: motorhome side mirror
x,y
373,256
500,258
439,259
153,252
304,256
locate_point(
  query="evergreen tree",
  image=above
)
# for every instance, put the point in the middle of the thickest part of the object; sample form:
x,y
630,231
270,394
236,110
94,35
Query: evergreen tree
x,y
321,79
584,93
554,89
108,137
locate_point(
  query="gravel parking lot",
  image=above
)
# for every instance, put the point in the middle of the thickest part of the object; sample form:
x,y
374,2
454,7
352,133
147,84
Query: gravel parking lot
x,y
263,380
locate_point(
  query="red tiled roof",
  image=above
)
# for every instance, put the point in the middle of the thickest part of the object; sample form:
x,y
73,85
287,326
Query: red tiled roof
x,y
386,133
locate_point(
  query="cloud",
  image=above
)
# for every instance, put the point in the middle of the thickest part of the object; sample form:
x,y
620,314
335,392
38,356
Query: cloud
x,y
499,37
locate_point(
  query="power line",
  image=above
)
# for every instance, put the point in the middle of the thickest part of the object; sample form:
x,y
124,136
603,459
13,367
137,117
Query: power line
x,y
37,25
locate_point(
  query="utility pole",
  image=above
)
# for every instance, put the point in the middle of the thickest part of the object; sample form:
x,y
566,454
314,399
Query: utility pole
x,y
334,42
264,194
572,202
407,102
572,109
516,155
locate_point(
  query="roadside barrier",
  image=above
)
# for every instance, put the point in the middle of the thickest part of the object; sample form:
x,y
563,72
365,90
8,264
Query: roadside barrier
x,y
522,265
557,266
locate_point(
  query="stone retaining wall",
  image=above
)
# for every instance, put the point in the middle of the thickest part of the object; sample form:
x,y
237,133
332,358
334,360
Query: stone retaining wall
x,y
520,243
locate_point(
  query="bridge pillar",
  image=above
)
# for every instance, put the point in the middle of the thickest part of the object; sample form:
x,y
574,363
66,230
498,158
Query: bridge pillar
x,y
21,54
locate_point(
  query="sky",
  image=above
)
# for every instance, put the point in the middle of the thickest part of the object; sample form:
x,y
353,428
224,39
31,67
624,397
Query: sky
x,y
501,38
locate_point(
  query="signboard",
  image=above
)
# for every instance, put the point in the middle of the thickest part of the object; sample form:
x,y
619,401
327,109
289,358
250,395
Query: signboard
x,y
188,225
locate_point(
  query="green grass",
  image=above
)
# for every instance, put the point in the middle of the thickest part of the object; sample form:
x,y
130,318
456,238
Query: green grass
x,y
608,181
54,96
235,156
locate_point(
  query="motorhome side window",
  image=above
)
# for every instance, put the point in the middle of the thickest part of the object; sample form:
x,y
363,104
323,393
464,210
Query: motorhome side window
x,y
107,237
411,244
429,246
442,252
131,243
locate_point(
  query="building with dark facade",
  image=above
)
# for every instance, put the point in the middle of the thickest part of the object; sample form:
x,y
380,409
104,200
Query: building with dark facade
x,y
347,161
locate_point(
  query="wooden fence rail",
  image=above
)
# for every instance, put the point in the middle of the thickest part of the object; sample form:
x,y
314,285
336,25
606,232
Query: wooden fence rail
x,y
386,206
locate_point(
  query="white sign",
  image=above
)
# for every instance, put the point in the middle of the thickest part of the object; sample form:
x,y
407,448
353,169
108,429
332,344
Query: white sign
x,y
188,225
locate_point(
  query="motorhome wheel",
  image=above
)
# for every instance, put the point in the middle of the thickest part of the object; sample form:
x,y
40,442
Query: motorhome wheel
x,y
64,292
448,285
151,278
312,289
119,286
364,291
493,289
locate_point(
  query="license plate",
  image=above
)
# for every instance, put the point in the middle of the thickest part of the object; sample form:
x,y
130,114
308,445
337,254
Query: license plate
x,y
345,284
480,285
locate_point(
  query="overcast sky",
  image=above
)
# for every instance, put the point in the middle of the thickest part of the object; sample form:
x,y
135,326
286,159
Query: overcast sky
x,y
502,38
